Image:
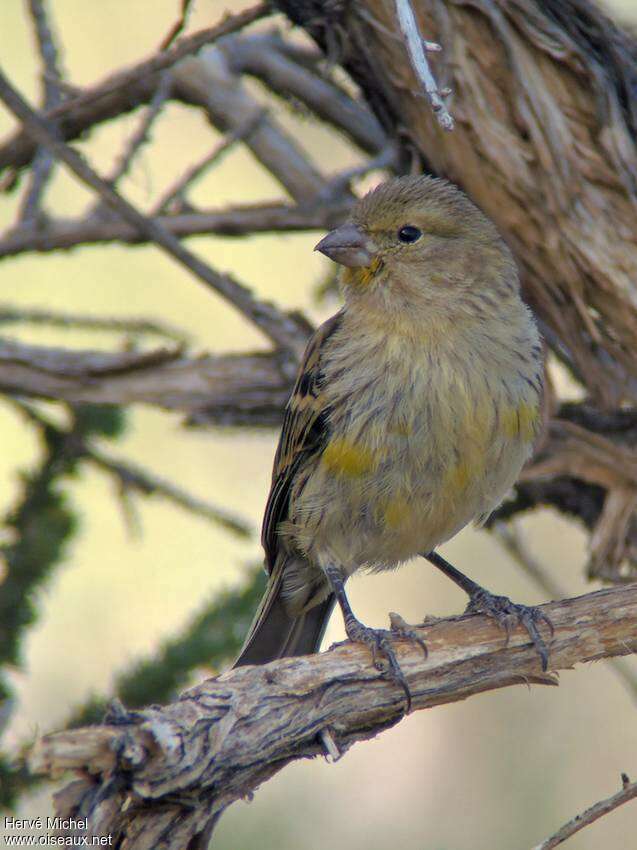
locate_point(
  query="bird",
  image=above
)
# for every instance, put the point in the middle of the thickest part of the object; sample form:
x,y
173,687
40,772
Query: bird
x,y
414,410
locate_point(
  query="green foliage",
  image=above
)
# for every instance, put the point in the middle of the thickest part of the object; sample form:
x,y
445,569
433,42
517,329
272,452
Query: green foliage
x,y
211,640
41,525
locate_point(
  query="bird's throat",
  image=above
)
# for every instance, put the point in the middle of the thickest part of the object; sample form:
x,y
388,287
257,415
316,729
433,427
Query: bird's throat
x,y
361,275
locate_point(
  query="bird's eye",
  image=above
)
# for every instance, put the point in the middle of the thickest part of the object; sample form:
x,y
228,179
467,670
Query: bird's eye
x,y
409,233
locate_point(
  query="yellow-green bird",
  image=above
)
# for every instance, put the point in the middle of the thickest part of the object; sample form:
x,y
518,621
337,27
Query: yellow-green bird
x,y
414,409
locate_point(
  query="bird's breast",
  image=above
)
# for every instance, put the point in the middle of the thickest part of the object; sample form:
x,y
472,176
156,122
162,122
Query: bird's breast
x,y
422,441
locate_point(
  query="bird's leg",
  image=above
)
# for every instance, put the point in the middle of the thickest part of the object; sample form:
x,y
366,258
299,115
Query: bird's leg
x,y
503,611
378,640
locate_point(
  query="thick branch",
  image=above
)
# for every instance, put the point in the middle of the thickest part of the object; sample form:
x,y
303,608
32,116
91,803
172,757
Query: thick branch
x,y
234,388
168,771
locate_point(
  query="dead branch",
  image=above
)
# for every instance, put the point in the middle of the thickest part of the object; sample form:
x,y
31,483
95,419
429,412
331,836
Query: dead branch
x,y
19,150
416,48
133,478
171,771
284,331
208,79
265,57
216,88
603,807
42,169
234,221
229,389
65,320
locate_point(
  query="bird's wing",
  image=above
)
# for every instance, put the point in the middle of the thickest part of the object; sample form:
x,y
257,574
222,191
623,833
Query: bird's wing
x,y
304,433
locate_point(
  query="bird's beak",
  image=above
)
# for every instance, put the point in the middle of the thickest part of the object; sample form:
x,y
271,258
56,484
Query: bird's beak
x,y
347,245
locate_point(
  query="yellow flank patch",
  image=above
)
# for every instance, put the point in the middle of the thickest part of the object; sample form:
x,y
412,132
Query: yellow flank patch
x,y
521,421
346,459
361,276
396,512
459,476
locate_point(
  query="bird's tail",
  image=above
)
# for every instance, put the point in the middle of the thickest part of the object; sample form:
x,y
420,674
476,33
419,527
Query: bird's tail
x,y
275,633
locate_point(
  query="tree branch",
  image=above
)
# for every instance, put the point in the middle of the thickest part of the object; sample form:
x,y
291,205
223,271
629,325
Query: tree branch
x,y
234,221
229,389
603,807
120,82
173,770
284,331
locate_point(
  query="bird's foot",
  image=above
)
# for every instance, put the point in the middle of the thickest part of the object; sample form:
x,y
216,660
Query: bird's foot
x,y
508,614
380,642
401,629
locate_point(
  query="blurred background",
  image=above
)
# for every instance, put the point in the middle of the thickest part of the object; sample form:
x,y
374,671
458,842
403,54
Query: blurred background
x,y
498,772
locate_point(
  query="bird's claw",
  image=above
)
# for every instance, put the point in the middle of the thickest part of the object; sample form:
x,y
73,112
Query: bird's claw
x,y
401,629
379,641
508,614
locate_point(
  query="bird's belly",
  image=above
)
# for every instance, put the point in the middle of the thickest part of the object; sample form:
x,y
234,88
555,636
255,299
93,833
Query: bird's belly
x,y
384,494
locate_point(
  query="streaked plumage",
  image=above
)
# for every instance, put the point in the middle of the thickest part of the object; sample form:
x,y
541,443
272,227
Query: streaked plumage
x,y
414,410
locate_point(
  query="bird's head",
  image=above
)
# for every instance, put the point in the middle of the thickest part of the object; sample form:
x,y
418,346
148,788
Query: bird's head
x,y
419,239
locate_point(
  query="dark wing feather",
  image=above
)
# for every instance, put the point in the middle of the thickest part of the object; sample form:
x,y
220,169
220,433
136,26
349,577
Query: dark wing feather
x,y
304,433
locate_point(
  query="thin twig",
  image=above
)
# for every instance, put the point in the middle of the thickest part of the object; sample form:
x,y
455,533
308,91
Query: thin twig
x,y
141,134
133,477
283,330
272,217
42,167
416,48
35,316
603,807
178,27
177,191
233,221
161,61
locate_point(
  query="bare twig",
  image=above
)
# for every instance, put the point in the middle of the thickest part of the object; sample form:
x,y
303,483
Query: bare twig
x,y
416,48
140,136
51,78
177,191
35,316
212,85
161,61
134,478
281,329
178,27
123,90
603,807
239,221
209,80
171,770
